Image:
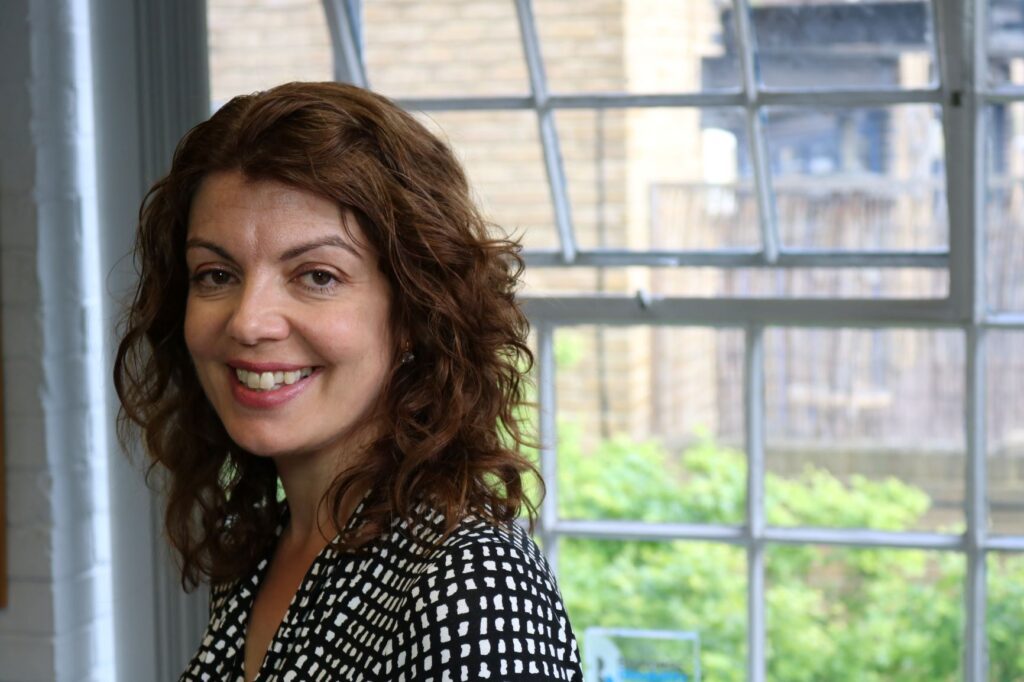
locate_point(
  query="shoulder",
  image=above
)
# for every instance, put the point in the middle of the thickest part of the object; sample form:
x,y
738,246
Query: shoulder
x,y
504,558
487,606
474,538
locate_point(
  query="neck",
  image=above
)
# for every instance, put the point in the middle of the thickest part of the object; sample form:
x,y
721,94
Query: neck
x,y
306,479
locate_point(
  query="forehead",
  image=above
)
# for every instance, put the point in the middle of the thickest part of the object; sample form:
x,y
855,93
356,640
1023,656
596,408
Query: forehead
x,y
265,214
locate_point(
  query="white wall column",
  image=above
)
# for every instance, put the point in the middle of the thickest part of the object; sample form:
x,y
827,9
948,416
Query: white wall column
x,y
58,624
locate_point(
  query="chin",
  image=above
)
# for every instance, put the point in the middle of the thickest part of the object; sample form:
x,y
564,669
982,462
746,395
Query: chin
x,y
262,446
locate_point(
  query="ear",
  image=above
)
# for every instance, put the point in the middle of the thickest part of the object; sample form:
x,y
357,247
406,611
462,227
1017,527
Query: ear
x,y
407,354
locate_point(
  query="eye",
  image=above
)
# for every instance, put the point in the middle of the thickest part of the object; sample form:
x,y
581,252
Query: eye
x,y
319,280
212,279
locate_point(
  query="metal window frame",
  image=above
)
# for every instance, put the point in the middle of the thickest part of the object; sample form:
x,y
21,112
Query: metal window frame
x,y
961,60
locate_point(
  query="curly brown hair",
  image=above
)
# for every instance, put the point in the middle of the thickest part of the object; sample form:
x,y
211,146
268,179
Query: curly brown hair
x,y
453,436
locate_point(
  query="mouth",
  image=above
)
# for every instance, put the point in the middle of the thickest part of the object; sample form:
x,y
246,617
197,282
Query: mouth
x,y
266,382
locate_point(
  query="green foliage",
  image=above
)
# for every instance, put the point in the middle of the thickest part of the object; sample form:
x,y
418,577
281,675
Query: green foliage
x,y
833,614
622,479
1005,618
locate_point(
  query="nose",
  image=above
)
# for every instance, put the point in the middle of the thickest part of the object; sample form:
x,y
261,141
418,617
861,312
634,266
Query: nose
x,y
257,317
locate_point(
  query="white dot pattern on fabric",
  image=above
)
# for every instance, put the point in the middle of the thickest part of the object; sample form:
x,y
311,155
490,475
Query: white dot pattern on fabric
x,y
481,605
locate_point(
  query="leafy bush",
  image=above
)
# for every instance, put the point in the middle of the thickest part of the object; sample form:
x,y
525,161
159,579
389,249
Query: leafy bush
x,y
833,614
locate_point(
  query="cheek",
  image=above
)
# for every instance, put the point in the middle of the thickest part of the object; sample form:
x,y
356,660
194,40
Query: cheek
x,y
200,333
197,330
377,336
362,331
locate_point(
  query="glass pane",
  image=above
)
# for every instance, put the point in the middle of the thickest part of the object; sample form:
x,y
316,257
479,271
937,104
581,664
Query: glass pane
x,y
1005,207
854,43
1005,42
686,588
256,44
1005,411
1005,616
636,46
858,178
650,424
502,156
647,179
848,615
864,428
443,47
895,283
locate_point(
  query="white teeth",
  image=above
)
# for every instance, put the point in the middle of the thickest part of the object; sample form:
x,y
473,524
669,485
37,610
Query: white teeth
x,y
269,381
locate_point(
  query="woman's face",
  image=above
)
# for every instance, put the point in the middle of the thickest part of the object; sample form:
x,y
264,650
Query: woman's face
x,y
287,315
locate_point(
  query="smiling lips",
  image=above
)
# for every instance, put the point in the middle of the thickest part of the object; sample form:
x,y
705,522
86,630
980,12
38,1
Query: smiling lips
x,y
270,381
266,387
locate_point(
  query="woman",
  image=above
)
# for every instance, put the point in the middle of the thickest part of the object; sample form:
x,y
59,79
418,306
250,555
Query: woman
x,y
325,355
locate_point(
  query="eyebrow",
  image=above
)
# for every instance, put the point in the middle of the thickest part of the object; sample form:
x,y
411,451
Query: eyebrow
x,y
194,243
294,252
329,240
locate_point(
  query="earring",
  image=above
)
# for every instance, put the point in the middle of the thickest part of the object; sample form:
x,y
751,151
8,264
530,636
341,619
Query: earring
x,y
407,356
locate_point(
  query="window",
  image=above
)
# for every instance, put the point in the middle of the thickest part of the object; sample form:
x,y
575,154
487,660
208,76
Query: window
x,y
777,304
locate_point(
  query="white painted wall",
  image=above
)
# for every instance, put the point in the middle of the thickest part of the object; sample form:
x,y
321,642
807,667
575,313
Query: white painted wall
x,y
59,621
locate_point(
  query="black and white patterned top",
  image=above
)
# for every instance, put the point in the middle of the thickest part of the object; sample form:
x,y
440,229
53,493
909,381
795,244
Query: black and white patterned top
x,y
482,605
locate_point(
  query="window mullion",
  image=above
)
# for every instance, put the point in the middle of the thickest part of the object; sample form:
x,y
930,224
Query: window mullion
x,y
739,312
975,664
609,529
977,107
755,133
1004,321
848,97
960,40
845,97
746,258
548,132
1005,95
754,430
963,60
1005,543
548,435
343,23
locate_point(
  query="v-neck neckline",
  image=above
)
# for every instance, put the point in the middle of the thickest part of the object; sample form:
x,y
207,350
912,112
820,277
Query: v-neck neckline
x,y
314,574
